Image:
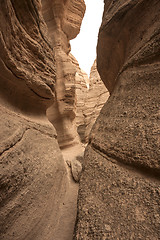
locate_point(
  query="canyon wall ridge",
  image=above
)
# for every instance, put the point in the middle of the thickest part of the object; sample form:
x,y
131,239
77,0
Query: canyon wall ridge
x,y
120,184
34,48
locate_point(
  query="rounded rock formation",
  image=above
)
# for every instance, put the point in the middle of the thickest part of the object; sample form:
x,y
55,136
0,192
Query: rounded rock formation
x,y
119,187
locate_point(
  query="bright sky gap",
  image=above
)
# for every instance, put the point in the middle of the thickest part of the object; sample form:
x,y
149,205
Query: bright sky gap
x,y
83,47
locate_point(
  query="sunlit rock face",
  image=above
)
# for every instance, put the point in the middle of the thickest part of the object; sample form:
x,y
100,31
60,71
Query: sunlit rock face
x,y
33,179
119,188
63,20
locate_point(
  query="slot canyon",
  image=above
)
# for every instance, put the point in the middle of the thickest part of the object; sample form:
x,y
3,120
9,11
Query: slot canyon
x,y
79,154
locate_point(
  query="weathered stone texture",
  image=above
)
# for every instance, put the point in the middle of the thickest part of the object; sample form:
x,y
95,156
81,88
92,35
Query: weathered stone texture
x,y
27,60
59,17
33,176
90,98
116,201
96,97
119,188
81,85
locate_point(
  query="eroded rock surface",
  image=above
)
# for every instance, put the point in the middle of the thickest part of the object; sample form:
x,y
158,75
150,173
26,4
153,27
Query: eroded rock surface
x,y
96,97
82,85
76,169
120,185
33,178
33,175
90,98
63,19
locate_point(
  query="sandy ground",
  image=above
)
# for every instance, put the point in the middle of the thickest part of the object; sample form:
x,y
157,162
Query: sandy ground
x,y
65,228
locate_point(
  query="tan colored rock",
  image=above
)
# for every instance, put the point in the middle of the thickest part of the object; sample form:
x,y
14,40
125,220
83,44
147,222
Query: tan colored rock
x,y
91,96
73,15
76,169
97,95
29,154
82,85
33,178
120,187
59,17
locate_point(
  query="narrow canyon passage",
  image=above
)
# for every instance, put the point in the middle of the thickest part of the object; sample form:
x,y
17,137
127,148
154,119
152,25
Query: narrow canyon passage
x,y
39,77
79,99
68,211
79,149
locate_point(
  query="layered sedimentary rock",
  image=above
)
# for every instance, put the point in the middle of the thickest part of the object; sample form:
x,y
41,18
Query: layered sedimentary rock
x,y
33,176
82,86
63,19
96,96
90,98
120,185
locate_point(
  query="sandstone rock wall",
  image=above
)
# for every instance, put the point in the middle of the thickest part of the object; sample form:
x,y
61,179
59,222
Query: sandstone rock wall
x,y
96,96
63,19
81,85
90,98
27,59
119,188
33,178
34,44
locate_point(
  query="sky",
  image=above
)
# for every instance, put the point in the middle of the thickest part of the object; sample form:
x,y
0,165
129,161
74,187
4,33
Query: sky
x,y
83,47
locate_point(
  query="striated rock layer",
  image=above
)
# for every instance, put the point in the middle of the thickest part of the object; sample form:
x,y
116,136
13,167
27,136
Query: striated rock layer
x,y
120,185
96,97
81,84
63,19
33,176
90,98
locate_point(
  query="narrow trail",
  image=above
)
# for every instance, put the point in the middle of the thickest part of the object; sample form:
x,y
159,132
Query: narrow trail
x,y
65,228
